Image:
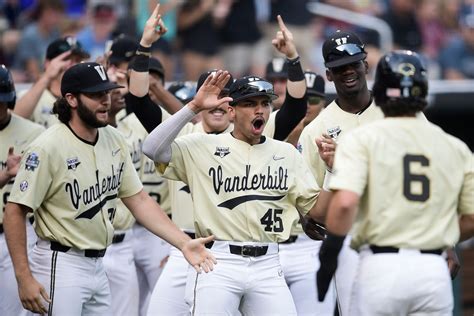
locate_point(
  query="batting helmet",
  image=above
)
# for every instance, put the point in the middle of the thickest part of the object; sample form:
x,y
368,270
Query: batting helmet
x,y
7,87
250,86
401,81
183,91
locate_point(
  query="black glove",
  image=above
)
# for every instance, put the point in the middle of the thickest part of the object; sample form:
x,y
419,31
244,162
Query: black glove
x,y
328,259
312,229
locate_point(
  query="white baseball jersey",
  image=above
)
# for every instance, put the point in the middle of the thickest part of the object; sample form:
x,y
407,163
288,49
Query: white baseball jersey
x,y
17,134
42,113
72,185
414,180
269,129
242,192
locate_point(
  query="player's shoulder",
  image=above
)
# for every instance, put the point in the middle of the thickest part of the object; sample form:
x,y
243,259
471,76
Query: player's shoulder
x,y
27,124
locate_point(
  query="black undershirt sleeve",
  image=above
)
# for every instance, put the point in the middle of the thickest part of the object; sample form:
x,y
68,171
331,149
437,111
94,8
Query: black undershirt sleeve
x,y
147,111
291,113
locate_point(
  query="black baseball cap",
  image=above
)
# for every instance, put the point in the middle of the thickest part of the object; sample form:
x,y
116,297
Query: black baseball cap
x,y
250,86
123,49
206,74
343,48
314,84
277,68
86,77
61,45
157,67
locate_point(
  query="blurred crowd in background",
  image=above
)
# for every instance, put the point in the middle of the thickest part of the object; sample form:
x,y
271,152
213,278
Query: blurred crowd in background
x,y
234,34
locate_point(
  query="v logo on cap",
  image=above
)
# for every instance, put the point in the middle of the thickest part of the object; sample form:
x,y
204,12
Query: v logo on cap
x,y
101,71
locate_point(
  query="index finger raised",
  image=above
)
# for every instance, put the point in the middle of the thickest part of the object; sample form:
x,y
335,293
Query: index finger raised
x,y
281,24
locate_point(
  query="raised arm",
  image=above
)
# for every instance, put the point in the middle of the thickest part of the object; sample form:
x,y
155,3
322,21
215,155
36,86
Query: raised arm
x,y
157,146
293,109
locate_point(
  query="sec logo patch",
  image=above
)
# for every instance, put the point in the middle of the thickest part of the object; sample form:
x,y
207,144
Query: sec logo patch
x,y
23,186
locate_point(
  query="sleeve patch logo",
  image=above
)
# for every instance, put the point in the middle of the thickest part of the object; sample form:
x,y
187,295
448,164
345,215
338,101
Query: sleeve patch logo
x,y
32,162
72,163
222,151
23,186
334,132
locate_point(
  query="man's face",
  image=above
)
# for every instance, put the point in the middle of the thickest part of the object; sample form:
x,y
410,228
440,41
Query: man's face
x,y
250,116
93,108
218,119
117,102
349,79
279,87
315,106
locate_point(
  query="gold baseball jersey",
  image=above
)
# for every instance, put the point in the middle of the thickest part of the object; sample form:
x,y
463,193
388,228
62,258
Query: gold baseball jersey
x,y
42,113
269,130
180,195
242,192
73,185
19,133
413,179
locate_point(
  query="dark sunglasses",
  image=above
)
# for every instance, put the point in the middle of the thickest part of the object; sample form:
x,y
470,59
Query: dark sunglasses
x,y
347,49
314,99
257,86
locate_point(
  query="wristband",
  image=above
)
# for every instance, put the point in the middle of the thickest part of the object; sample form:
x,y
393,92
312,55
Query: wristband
x,y
141,63
295,72
142,50
327,179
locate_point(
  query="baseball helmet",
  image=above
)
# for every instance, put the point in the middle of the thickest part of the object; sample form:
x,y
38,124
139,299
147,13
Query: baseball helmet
x,y
400,75
7,87
183,91
250,86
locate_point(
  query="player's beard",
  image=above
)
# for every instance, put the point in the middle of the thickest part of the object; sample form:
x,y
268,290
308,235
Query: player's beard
x,y
88,117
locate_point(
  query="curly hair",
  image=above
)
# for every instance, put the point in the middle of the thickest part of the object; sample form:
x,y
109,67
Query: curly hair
x,y
63,110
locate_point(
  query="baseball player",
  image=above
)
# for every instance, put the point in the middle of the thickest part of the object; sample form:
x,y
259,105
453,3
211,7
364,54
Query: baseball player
x,y
298,254
37,102
15,134
71,177
408,187
345,59
246,188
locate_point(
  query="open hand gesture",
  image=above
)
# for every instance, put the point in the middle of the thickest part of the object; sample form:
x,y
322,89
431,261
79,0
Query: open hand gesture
x,y
283,40
207,97
198,256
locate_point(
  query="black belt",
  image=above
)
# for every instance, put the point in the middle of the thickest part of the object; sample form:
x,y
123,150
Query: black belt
x,y
248,251
388,249
89,253
1,228
290,240
118,238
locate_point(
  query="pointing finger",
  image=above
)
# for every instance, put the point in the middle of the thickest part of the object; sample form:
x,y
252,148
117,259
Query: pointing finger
x,y
155,11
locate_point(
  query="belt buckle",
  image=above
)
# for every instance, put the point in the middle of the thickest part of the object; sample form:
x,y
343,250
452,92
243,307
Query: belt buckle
x,y
247,251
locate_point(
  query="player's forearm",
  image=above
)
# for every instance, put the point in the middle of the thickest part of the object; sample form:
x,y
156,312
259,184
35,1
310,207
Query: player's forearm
x,y
4,178
150,215
157,145
319,209
167,99
466,225
139,83
25,106
341,212
15,235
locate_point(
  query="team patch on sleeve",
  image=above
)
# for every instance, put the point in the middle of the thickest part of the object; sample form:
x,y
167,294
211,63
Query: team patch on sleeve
x,y
334,132
23,186
32,162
